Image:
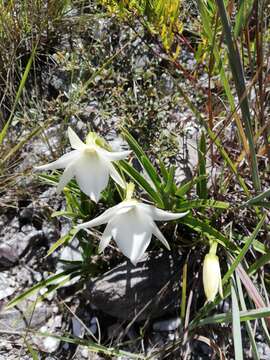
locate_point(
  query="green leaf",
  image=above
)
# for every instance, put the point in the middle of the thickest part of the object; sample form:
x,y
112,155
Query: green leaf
x,y
201,203
251,333
41,284
151,171
32,352
110,351
64,213
145,162
207,230
227,317
257,199
54,180
133,144
265,259
243,251
63,240
260,247
185,188
139,179
239,81
163,170
18,94
170,181
242,16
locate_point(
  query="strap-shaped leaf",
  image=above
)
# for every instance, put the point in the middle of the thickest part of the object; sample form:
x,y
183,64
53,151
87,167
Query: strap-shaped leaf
x,y
139,180
210,232
184,189
142,157
202,203
63,240
41,284
170,185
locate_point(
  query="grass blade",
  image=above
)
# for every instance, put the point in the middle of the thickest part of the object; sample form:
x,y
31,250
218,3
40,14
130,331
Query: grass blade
x,y
184,189
227,317
243,252
110,351
239,80
247,323
202,203
32,352
40,285
18,95
258,198
202,185
236,326
207,230
63,240
214,138
242,16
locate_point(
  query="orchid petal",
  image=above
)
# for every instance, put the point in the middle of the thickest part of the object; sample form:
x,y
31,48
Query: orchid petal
x,y
132,233
115,176
113,155
158,234
100,220
106,216
160,215
105,239
124,209
67,175
60,163
75,141
92,175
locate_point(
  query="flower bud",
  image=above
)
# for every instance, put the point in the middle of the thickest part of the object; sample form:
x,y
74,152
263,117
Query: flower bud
x,y
211,277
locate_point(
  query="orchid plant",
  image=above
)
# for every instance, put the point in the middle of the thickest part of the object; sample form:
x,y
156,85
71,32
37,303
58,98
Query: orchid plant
x,y
130,222
132,214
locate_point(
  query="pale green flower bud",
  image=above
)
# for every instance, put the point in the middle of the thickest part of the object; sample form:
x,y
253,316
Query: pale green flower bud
x,y
211,277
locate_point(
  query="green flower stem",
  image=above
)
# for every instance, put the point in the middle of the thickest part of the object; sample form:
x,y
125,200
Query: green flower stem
x,y
129,191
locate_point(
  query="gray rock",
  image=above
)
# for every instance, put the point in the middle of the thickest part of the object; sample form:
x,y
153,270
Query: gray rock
x,y
47,344
7,285
8,255
149,289
167,325
24,316
26,214
15,241
77,328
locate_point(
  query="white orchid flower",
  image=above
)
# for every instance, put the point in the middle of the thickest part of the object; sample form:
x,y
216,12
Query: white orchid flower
x,y
89,163
131,224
